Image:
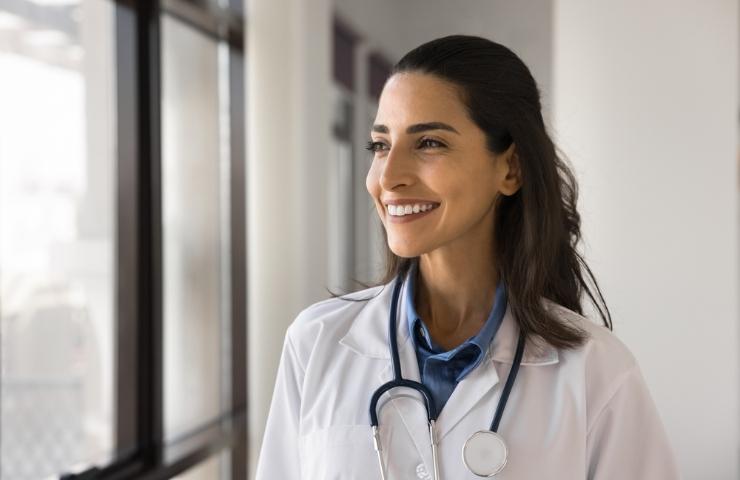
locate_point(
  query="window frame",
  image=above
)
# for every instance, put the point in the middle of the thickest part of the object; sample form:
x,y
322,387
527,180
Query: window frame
x,y
141,449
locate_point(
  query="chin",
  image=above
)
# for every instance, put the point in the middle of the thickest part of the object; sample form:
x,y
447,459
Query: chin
x,y
405,250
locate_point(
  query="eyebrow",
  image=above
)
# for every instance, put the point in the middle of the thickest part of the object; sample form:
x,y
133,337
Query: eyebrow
x,y
419,127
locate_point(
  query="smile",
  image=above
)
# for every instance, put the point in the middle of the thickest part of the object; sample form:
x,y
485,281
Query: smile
x,y
410,212
403,210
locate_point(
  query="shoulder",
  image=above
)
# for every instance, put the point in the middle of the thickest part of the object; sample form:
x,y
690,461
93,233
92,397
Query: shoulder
x,y
333,312
602,349
604,364
330,319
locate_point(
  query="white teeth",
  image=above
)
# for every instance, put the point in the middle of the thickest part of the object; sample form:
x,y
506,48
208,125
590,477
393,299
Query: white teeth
x,y
401,210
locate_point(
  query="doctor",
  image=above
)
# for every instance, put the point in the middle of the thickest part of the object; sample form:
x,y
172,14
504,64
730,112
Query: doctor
x,y
479,315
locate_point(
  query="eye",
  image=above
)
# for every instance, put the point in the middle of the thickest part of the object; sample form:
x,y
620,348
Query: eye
x,y
425,143
374,146
430,143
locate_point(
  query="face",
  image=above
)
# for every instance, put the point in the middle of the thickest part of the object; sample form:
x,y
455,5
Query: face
x,y
433,180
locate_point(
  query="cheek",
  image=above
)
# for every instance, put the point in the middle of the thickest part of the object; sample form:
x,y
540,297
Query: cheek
x,y
371,181
372,184
467,190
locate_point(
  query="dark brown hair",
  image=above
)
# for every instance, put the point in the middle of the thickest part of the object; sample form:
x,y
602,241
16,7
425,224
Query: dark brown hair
x,y
538,228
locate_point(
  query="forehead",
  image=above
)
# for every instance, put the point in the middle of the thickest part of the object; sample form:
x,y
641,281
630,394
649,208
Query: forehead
x,y
410,98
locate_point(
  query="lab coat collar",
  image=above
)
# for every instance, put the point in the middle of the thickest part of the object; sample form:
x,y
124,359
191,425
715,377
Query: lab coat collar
x,y
368,335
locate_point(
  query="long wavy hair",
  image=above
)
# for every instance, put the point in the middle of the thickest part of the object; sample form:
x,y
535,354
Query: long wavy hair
x,y
537,229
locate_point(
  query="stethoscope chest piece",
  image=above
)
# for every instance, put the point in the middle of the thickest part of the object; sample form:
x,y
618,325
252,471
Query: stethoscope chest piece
x,y
485,453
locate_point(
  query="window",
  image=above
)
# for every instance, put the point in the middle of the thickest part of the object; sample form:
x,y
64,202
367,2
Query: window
x,y
195,226
57,236
122,242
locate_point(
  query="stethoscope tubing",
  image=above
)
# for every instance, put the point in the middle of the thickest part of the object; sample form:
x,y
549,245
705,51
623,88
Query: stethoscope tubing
x,y
399,382
509,383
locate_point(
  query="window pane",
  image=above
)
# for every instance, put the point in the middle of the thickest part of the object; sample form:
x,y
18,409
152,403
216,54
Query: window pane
x,y
215,468
57,206
195,209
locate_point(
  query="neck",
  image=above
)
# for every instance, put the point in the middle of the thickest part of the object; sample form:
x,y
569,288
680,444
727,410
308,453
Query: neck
x,y
455,292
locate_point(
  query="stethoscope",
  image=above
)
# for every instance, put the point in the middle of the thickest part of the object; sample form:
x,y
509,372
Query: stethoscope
x,y
485,452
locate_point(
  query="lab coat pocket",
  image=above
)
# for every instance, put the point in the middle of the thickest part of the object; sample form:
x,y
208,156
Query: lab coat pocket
x,y
339,452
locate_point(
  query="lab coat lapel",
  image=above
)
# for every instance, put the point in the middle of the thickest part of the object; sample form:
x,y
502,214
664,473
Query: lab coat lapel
x,y
482,386
471,390
401,408
408,403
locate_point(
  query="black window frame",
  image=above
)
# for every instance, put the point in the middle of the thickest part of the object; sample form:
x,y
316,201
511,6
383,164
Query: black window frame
x,y
141,449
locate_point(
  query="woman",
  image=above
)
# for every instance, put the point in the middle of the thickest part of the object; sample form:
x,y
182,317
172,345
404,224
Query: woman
x,y
482,296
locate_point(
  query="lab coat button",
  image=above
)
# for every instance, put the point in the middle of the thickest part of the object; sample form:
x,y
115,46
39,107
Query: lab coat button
x,y
421,472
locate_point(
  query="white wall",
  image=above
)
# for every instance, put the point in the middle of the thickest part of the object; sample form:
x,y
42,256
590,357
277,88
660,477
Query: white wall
x,y
646,98
397,27
288,147
523,26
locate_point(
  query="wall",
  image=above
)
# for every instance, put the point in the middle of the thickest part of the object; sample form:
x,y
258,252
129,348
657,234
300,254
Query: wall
x,y
288,140
397,27
646,97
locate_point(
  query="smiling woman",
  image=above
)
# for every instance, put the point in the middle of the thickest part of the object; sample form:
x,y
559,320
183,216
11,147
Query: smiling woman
x,y
483,282
450,135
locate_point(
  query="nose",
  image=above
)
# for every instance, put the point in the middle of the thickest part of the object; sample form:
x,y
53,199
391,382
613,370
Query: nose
x,y
397,170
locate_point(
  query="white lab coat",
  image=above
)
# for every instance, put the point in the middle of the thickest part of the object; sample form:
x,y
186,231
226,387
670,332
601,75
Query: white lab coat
x,y
572,414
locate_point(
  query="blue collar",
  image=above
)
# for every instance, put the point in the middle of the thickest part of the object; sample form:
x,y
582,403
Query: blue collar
x,y
481,340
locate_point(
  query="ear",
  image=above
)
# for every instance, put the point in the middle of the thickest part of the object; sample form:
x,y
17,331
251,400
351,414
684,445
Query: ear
x,y
511,171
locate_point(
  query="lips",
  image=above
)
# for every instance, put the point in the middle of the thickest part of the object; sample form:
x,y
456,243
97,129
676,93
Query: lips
x,y
407,201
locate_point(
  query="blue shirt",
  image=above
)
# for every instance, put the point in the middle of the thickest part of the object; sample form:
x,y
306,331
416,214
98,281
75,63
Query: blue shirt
x,y
441,370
